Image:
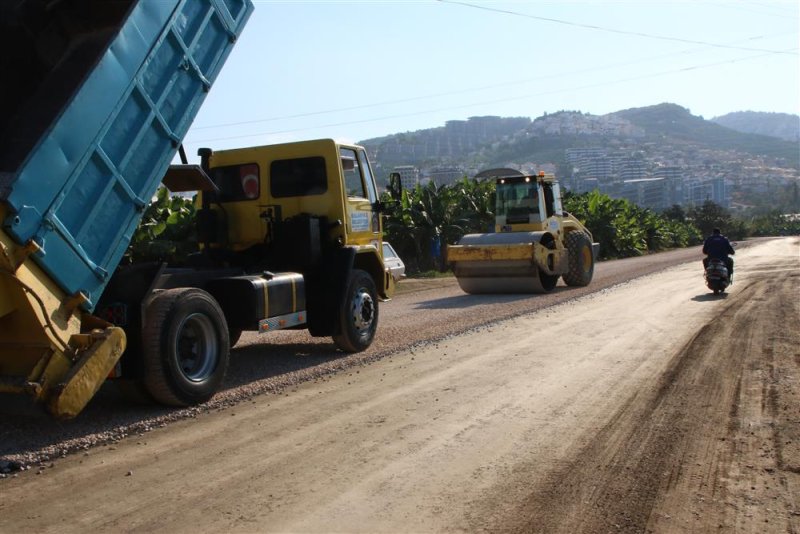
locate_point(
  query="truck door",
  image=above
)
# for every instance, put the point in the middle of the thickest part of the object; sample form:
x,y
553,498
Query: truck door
x,y
363,222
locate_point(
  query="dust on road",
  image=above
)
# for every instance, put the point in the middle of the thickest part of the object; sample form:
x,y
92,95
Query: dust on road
x,y
650,406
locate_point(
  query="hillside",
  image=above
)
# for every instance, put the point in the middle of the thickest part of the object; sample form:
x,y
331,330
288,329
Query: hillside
x,y
781,125
454,143
491,141
674,124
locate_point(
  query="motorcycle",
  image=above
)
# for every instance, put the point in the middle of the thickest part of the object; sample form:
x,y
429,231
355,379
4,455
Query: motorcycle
x,y
717,278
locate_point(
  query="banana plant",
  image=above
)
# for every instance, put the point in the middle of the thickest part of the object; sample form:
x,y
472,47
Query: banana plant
x,y
166,232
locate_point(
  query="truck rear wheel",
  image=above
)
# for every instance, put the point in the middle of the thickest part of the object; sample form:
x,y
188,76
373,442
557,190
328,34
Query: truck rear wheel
x,y
580,258
233,336
185,347
358,316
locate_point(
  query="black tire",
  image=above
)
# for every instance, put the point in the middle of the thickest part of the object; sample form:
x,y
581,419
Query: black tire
x,y
185,347
358,316
133,390
580,260
233,336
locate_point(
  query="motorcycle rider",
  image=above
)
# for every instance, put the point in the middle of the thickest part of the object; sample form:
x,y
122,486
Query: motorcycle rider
x,y
717,246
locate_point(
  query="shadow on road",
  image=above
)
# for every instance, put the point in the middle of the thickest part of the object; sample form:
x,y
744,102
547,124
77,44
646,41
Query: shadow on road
x,y
468,301
26,427
710,297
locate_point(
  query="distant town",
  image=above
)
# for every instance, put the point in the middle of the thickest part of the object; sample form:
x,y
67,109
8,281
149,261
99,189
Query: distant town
x,y
653,160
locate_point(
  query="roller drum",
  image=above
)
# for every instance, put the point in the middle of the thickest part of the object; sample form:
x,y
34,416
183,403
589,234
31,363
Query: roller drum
x,y
494,276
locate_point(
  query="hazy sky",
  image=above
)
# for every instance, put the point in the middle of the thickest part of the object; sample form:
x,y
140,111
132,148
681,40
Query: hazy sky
x,y
356,70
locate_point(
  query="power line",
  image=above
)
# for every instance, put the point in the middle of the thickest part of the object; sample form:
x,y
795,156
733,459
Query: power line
x,y
744,6
608,30
469,90
496,101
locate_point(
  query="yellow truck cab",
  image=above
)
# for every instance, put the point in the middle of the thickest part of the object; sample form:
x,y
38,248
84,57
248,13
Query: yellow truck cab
x,y
261,188
309,208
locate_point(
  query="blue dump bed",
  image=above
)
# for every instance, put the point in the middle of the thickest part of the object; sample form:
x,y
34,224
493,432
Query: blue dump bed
x,y
96,98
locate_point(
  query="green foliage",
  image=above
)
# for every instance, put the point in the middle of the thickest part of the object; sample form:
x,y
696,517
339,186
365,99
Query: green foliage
x,y
774,224
624,229
166,232
424,218
428,217
711,215
675,213
429,214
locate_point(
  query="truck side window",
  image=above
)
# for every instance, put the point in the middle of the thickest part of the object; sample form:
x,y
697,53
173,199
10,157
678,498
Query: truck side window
x,y
236,182
298,177
353,182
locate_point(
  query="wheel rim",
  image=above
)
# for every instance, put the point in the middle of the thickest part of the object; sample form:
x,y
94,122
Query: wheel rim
x,y
196,347
363,309
586,259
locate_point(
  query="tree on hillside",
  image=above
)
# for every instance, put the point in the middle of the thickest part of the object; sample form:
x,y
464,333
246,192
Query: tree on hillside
x,y
711,215
675,213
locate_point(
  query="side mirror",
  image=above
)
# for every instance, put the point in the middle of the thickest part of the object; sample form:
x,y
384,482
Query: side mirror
x,y
395,186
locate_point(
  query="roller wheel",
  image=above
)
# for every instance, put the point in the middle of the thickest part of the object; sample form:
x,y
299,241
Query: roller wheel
x,y
548,281
580,258
185,347
358,316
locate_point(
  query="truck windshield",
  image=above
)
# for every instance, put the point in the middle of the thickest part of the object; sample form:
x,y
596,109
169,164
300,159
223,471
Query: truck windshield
x,y
517,201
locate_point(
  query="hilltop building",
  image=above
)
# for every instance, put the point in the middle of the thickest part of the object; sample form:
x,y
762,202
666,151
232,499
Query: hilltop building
x,y
445,175
409,175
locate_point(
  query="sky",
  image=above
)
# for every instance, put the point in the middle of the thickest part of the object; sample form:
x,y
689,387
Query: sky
x,y
354,70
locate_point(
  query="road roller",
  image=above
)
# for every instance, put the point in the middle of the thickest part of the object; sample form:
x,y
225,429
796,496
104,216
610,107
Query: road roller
x,y
534,243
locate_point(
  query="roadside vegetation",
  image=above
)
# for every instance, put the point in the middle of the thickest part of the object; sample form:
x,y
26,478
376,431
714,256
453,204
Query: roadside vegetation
x,y
428,217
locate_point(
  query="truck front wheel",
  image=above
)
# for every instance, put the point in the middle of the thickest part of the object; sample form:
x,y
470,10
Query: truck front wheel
x,y
184,347
358,316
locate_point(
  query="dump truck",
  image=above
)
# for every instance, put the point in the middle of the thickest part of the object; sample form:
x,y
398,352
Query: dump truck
x,y
98,96
534,243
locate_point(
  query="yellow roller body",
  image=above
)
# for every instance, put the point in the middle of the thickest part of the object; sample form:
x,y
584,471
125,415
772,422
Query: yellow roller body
x,y
513,262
